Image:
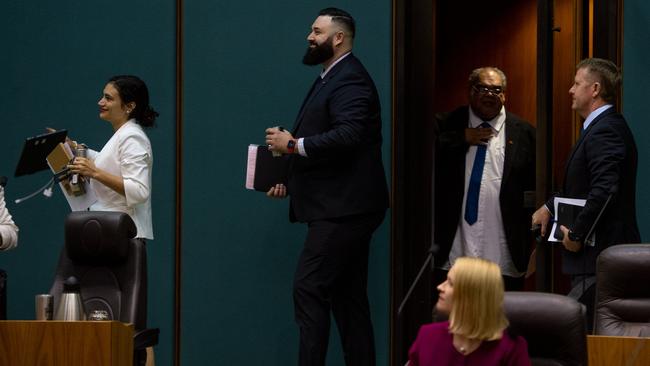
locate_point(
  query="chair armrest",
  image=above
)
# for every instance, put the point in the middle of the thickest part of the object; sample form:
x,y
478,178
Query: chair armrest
x,y
145,338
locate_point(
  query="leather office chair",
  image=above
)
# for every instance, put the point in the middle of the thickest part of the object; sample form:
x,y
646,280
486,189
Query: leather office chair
x,y
112,271
623,291
553,325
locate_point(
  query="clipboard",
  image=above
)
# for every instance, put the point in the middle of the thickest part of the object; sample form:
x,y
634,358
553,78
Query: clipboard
x,y
35,152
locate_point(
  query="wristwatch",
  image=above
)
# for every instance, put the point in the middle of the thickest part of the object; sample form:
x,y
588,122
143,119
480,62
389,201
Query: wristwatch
x,y
291,146
574,237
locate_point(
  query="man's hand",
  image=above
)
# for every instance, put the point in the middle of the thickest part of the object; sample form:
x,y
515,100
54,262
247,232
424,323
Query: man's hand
x,y
278,191
540,218
478,136
277,139
570,245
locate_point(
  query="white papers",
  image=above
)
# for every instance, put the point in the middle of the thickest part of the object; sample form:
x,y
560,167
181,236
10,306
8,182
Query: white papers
x,y
250,166
83,202
556,202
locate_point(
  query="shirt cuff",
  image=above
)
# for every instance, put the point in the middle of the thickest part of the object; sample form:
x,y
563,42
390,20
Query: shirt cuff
x,y
548,209
301,147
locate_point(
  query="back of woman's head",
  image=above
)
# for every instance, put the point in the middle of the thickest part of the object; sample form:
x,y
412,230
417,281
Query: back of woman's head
x,y
477,308
132,89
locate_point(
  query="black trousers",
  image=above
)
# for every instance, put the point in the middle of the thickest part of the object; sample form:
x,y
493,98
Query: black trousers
x,y
332,276
583,289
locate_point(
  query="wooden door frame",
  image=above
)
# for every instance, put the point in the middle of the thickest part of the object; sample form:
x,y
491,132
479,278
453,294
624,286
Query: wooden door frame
x,y
412,91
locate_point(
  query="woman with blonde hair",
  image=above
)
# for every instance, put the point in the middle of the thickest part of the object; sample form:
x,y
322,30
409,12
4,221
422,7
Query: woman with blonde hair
x,y
476,333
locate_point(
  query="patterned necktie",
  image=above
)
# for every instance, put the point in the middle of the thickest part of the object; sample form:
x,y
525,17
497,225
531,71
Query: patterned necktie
x,y
471,205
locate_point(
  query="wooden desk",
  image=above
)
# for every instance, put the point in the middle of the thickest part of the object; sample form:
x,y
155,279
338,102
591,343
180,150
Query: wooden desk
x,y
625,351
59,343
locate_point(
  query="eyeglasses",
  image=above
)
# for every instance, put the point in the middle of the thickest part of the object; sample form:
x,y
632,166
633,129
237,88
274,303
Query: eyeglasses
x,y
484,89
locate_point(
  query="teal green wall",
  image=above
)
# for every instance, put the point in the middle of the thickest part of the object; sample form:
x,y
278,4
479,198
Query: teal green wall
x,y
243,73
55,60
636,79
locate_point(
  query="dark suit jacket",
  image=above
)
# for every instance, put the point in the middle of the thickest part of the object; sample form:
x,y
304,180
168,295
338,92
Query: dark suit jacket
x,y
340,122
518,176
603,161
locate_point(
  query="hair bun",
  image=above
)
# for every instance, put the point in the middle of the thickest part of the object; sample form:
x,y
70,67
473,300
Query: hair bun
x,y
149,117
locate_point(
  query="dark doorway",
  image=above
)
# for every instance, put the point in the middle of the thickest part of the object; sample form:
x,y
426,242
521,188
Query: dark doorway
x,y
537,43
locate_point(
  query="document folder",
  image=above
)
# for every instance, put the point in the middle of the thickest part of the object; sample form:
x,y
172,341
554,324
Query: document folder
x,y
264,171
566,215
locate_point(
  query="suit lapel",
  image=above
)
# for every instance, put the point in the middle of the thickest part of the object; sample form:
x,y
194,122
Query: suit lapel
x,y
318,85
583,136
512,136
316,88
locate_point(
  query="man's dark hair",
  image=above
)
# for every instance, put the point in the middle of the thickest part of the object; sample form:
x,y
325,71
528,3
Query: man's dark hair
x,y
342,18
606,73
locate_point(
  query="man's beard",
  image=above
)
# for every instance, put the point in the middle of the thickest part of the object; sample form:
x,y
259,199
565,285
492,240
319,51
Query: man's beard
x,y
319,54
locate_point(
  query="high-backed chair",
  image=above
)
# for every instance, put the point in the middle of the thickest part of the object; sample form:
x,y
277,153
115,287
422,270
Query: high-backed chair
x,y
553,325
623,291
111,268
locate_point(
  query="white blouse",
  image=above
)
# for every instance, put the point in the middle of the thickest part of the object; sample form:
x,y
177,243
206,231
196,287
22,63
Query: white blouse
x,y
127,154
8,230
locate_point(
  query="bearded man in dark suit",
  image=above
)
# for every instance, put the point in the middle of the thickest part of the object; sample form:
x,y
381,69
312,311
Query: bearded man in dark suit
x,y
337,186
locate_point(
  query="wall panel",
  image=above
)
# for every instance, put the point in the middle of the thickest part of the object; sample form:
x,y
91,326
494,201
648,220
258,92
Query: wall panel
x,y
243,73
636,58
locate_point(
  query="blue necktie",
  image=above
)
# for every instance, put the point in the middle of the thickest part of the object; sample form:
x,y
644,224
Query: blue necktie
x,y
471,206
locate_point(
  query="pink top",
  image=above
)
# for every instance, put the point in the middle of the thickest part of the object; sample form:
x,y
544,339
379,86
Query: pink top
x,y
434,346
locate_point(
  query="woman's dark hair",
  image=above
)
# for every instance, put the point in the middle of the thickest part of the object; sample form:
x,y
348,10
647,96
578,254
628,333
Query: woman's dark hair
x,y
132,89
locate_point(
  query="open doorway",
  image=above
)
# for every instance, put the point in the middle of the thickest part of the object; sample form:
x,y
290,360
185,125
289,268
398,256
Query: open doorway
x,y
537,43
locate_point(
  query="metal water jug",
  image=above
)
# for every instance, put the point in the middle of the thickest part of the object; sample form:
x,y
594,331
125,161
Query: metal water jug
x,y
70,304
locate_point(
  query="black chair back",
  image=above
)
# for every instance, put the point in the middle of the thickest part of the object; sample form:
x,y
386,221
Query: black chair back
x,y
623,291
553,325
111,267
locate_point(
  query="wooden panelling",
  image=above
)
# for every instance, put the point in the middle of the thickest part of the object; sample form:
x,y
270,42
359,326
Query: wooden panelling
x,y
628,351
566,54
501,34
58,343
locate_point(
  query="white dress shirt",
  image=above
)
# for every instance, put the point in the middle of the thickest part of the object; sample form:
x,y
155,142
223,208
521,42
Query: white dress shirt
x,y
8,229
486,238
128,155
594,114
